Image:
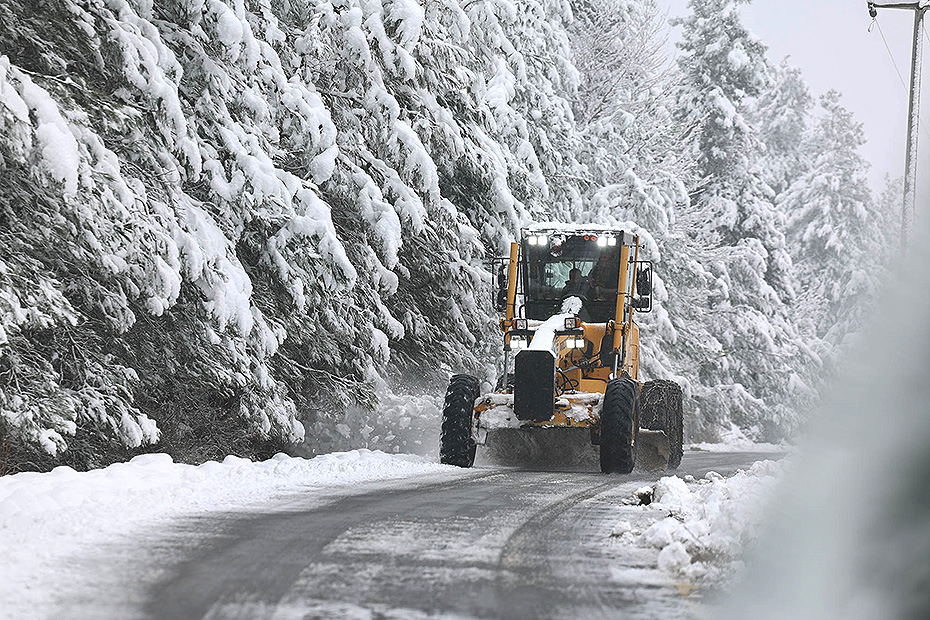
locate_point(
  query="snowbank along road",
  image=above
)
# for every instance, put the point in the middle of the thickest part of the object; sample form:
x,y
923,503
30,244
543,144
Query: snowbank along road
x,y
485,543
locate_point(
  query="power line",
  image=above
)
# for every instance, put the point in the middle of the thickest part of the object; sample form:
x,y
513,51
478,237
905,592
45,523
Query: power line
x,y
888,49
919,8
875,22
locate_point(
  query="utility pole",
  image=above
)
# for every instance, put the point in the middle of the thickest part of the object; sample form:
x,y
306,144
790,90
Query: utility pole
x,y
913,110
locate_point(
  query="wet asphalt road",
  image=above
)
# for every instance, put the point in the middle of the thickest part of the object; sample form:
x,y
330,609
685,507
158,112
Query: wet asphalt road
x,y
489,543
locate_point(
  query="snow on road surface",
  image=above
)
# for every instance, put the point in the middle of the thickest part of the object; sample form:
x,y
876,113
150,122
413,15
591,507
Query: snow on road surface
x,y
70,537
46,519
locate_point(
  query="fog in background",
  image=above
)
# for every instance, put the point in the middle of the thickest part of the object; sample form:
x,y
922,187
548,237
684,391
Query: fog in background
x,y
850,530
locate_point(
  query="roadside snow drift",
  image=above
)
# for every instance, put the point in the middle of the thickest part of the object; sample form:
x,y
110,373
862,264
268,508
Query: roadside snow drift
x,y
702,528
46,519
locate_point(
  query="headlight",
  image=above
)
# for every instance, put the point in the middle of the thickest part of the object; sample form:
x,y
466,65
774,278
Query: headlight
x,y
520,324
573,342
572,322
516,343
537,239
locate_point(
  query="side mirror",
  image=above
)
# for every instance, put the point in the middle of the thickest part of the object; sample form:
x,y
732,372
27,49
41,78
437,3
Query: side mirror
x,y
500,295
644,281
643,300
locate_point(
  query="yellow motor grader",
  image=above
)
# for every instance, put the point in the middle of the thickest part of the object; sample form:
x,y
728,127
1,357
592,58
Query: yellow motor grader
x,y
571,352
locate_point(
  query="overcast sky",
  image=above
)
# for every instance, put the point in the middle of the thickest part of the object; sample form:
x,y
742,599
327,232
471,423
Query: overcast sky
x,y
830,42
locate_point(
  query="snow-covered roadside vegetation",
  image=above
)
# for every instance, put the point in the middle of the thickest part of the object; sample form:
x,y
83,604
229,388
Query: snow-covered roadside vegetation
x,y
701,529
233,226
735,440
47,518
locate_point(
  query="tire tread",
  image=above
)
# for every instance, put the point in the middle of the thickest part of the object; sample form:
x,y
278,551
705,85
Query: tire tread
x,y
661,410
618,426
456,445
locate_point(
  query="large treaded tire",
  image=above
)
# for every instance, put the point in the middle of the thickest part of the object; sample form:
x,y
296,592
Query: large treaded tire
x,y
456,446
661,410
618,426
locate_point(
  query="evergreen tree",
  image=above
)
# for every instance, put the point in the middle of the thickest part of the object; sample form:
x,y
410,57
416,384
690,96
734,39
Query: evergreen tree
x,y
835,230
781,117
758,369
249,215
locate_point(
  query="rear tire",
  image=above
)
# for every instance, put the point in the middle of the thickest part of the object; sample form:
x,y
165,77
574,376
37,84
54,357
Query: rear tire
x,y
661,410
456,446
618,426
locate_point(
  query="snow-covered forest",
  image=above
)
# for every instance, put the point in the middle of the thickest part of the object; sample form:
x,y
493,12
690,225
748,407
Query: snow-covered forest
x,y
233,226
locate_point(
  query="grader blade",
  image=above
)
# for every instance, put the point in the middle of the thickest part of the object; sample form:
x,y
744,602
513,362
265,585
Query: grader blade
x,y
652,450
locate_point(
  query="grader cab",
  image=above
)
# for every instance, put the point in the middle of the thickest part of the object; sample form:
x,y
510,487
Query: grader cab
x,y
571,352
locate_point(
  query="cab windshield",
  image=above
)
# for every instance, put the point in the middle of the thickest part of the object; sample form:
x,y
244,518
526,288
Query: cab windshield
x,y
569,266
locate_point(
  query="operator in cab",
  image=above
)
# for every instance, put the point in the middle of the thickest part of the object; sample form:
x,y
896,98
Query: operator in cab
x,y
576,285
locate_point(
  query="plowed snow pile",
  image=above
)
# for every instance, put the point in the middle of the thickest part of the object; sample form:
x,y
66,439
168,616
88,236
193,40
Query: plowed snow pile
x,y
703,528
46,519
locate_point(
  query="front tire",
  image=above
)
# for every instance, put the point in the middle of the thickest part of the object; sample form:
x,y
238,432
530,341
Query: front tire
x,y
456,446
618,426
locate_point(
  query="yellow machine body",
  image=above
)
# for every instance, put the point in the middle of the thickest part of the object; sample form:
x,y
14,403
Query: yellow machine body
x,y
603,342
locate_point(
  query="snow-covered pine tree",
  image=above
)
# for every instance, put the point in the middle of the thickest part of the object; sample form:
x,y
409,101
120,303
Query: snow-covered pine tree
x,y
161,296
781,116
526,79
837,235
723,67
760,361
255,212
